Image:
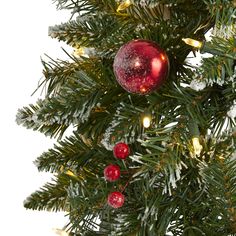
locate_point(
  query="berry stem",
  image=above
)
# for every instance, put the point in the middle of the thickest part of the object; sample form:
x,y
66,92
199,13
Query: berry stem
x,y
127,183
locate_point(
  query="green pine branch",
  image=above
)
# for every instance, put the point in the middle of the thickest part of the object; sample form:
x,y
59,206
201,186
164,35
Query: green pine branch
x,y
223,11
51,197
36,117
78,97
220,186
59,74
67,4
90,32
73,153
102,32
87,7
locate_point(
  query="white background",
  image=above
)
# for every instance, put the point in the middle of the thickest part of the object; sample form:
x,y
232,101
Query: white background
x,y
23,39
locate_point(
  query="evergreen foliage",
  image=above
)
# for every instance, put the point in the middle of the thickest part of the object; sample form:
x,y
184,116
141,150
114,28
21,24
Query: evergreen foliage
x,y
169,189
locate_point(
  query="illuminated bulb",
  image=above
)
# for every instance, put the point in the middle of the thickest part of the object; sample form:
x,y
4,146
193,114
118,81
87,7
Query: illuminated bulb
x,y
221,158
193,43
79,52
197,146
68,172
146,122
123,5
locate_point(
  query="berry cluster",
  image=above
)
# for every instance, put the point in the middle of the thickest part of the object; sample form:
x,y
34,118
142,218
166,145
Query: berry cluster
x,y
112,173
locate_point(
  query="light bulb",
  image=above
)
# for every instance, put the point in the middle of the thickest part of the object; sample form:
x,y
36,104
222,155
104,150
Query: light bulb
x,y
123,5
79,52
193,42
221,158
146,121
70,173
196,146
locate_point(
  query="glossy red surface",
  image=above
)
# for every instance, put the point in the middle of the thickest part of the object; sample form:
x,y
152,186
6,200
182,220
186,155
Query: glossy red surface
x,y
112,173
121,150
141,66
116,199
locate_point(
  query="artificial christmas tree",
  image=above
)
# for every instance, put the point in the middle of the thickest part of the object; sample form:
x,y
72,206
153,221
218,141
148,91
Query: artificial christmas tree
x,y
179,178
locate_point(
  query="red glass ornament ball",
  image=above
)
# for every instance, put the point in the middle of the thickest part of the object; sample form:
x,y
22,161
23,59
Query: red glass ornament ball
x,y
141,66
121,150
116,199
112,173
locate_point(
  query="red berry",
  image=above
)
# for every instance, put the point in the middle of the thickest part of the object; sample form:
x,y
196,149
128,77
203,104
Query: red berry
x,y
112,173
121,150
116,199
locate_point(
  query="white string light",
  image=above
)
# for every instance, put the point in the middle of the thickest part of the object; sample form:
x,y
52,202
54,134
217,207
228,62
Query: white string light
x,y
196,146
